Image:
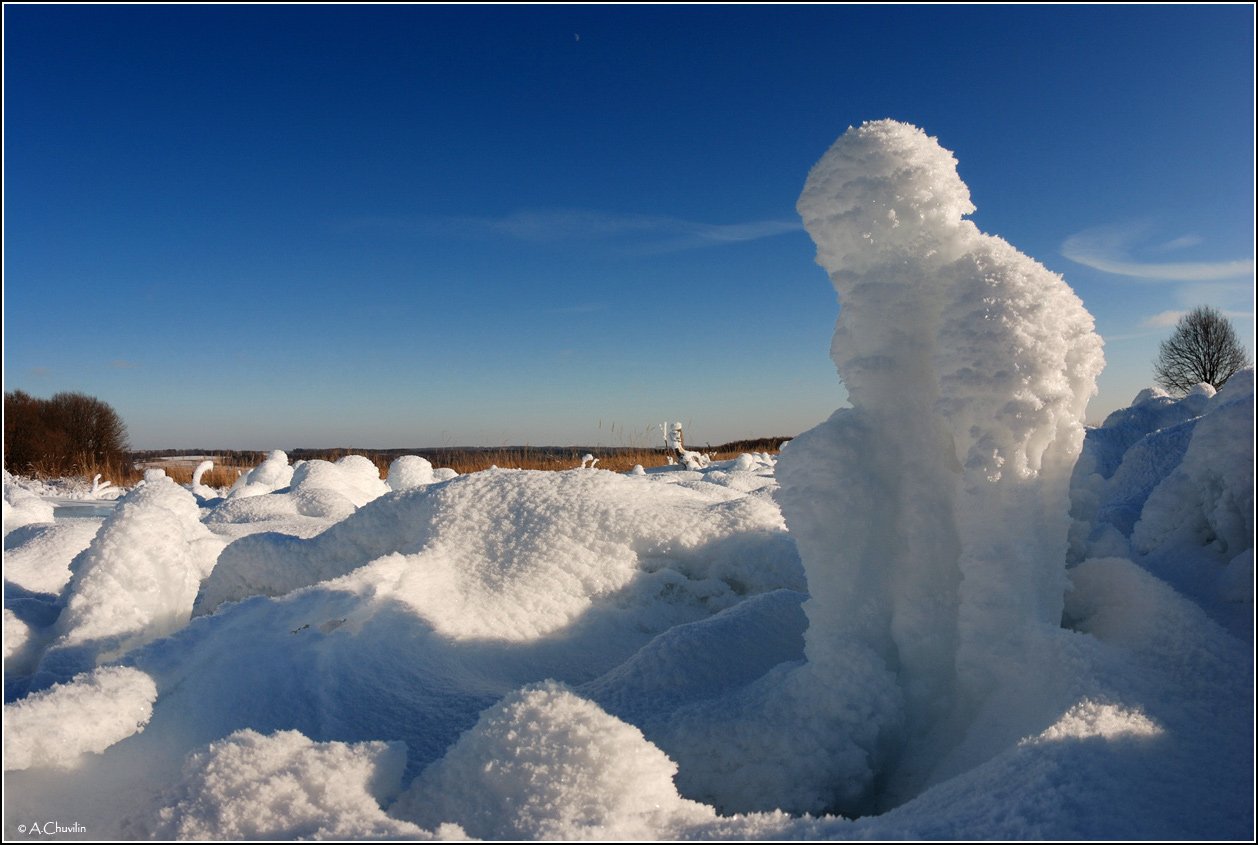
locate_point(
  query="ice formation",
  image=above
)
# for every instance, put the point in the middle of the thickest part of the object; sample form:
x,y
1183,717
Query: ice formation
x,y
968,366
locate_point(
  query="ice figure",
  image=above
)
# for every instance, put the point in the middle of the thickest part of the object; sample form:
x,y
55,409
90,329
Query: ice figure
x,y
931,516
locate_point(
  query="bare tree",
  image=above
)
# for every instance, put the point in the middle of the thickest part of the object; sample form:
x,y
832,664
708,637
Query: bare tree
x,y
1203,348
69,433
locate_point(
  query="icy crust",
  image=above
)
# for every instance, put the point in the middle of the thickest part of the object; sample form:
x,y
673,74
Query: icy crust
x,y
969,367
137,579
514,555
87,714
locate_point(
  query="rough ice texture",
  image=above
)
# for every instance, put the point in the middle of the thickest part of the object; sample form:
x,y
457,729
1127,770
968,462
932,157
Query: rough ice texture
x,y
968,366
284,786
546,764
89,713
136,581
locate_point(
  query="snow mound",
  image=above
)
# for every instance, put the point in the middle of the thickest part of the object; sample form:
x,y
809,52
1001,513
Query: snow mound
x,y
16,634
411,471
285,786
515,555
353,476
137,579
546,764
37,557
21,507
268,476
86,715
1214,479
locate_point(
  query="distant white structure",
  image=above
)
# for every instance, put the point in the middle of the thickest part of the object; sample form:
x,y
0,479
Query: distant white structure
x,y
674,443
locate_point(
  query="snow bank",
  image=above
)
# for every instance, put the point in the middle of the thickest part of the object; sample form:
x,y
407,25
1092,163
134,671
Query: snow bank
x,y
968,366
1169,483
515,555
88,714
1208,500
136,581
284,786
546,764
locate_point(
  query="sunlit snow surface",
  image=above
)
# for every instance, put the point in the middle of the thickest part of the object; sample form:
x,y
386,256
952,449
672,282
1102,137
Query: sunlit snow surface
x,y
917,615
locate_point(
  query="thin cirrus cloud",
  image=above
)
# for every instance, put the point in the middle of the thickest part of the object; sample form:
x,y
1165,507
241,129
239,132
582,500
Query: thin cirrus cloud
x,y
639,233
1109,250
1167,319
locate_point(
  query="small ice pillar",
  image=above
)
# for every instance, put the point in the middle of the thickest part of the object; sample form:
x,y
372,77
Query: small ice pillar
x,y
931,516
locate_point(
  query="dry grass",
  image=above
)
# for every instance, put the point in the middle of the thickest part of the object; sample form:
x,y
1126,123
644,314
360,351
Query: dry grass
x,y
127,473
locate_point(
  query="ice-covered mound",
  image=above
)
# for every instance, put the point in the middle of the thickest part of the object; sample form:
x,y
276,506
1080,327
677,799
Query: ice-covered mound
x,y
513,554
353,476
314,495
37,556
270,475
137,579
284,786
410,471
87,714
968,366
22,507
546,764
1169,483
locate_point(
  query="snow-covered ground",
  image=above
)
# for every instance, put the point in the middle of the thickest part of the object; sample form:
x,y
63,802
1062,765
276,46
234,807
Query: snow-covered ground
x,y
945,612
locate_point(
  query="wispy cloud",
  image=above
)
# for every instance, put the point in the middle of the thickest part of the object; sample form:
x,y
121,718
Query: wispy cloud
x,y
1163,320
1167,319
1109,250
120,364
640,233
1182,242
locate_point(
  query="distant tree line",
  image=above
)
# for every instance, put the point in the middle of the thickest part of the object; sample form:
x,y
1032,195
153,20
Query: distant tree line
x,y
69,434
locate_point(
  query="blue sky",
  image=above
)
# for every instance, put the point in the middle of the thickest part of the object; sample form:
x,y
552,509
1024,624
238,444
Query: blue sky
x,y
282,226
